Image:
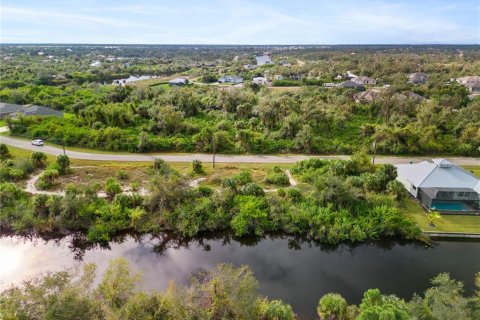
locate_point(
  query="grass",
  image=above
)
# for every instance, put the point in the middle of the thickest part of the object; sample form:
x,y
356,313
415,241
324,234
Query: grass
x,y
474,169
448,223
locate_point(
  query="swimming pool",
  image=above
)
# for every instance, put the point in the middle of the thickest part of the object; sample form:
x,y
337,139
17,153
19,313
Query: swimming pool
x,y
449,206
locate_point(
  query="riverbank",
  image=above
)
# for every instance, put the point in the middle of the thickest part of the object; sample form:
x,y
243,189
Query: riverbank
x,y
297,272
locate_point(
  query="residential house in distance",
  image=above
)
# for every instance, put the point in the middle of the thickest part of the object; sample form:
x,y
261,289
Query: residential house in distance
x,y
473,87
417,78
349,75
367,96
352,85
442,186
260,80
177,82
230,79
468,79
364,80
412,96
264,59
13,110
249,67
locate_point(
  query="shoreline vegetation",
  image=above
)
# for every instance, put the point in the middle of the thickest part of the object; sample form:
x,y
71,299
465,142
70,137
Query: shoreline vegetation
x,y
335,201
225,292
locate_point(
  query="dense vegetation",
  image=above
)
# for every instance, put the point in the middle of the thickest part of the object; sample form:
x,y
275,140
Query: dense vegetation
x,y
222,293
253,119
339,201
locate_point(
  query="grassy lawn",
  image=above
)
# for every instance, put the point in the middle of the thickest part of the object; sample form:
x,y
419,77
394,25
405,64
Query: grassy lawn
x,y
474,169
448,223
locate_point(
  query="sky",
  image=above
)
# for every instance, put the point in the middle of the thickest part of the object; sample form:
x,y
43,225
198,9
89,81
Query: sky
x,y
241,21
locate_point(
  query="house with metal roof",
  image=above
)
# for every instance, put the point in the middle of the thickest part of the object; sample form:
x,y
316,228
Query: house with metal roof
x,y
442,186
264,59
352,85
178,82
417,78
13,110
230,79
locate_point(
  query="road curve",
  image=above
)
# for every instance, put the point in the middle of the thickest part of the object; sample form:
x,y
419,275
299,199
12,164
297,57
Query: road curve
x,y
220,158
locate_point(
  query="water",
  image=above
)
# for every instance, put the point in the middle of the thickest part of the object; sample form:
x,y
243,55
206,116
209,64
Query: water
x,y
295,271
131,79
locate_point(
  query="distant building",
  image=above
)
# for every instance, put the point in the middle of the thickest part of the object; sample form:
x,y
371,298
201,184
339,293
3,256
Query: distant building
x,y
260,80
178,82
262,60
364,80
412,96
278,77
231,79
249,66
13,110
473,87
442,186
95,64
352,85
417,78
329,85
350,75
367,96
468,79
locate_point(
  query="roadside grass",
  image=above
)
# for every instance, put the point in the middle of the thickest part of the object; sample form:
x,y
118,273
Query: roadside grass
x,y
448,223
3,123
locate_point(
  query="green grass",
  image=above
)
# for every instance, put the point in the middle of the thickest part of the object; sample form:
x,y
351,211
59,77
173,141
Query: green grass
x,y
474,169
448,223
3,123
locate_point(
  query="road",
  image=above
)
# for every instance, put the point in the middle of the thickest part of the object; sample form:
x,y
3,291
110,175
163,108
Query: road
x,y
220,158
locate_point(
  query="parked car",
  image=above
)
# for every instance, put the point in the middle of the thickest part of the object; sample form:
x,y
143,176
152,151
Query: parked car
x,y
37,142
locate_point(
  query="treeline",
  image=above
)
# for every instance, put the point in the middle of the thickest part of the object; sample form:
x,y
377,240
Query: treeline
x,y
343,201
255,120
225,292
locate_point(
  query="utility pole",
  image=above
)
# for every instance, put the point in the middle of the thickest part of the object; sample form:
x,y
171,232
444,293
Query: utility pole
x,y
213,150
63,141
374,151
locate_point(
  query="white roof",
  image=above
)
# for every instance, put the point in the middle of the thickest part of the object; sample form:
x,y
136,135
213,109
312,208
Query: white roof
x,y
440,173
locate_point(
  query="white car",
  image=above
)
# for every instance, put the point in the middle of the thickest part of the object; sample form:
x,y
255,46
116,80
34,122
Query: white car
x,y
37,142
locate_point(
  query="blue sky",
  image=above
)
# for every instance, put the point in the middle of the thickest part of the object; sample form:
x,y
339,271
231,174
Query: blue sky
x,y
241,22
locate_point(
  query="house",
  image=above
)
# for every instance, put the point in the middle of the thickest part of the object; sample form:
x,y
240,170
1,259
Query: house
x,y
417,78
95,64
178,82
350,75
278,77
364,80
260,80
13,110
367,96
262,60
232,79
473,87
468,79
412,96
352,85
442,186
249,67
329,85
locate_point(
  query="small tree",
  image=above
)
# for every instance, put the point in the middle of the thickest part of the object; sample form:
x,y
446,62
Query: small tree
x,y
197,166
63,164
39,159
4,152
161,167
112,187
332,306
433,218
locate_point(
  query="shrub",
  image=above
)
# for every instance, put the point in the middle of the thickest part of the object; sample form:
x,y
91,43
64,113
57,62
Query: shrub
x,y
39,159
112,188
279,179
252,189
63,164
294,194
122,175
47,179
197,167
162,167
4,152
397,190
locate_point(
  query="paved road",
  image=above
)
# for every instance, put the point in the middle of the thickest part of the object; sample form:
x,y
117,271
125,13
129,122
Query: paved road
x,y
220,158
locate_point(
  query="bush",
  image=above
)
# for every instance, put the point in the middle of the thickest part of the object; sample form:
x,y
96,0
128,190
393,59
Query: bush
x,y
332,306
279,179
122,175
47,179
39,159
294,194
162,167
252,189
63,164
112,188
197,167
4,152
397,190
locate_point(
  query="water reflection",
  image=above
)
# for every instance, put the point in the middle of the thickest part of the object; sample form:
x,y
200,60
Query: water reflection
x,y
288,268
